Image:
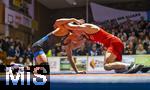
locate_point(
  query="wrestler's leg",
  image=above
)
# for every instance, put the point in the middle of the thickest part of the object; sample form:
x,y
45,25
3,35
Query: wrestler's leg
x,y
49,41
111,63
40,47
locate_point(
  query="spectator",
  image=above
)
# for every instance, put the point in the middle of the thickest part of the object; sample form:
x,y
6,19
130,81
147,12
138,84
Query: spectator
x,y
2,67
5,44
82,51
53,52
1,46
129,49
27,62
11,42
88,45
94,51
20,60
28,53
58,50
17,51
148,26
11,51
148,51
22,49
132,37
63,51
140,49
146,42
139,41
1,62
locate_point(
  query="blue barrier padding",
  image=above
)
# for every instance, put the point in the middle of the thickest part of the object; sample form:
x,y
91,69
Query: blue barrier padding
x,y
103,78
100,82
100,86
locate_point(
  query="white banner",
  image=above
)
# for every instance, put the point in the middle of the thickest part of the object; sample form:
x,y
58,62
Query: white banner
x,y
128,58
30,6
54,63
88,63
14,18
95,63
102,13
81,62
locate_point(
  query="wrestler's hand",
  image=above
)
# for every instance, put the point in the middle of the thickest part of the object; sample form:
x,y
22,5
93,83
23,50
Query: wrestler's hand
x,y
81,72
80,21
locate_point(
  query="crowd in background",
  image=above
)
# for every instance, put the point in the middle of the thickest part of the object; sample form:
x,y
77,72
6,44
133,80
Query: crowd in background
x,y
134,34
15,50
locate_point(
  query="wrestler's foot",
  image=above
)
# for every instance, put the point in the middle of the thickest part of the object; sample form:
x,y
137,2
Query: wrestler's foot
x,y
135,68
131,65
145,69
125,70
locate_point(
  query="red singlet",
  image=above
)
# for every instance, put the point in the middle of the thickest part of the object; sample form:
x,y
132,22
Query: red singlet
x,y
111,42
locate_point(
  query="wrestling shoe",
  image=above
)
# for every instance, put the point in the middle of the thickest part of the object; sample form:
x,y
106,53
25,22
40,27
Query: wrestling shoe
x,y
131,65
145,69
124,71
135,68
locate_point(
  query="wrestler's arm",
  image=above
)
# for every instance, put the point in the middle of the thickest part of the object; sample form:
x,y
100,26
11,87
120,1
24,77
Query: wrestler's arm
x,y
69,47
70,58
88,28
65,21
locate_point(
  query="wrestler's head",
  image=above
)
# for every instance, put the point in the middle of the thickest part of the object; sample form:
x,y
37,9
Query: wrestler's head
x,y
74,41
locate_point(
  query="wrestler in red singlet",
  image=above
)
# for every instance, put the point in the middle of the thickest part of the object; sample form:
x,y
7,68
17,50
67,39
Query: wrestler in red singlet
x,y
113,55
111,42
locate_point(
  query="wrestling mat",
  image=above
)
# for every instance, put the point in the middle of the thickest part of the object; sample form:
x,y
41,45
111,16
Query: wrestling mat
x,y
97,81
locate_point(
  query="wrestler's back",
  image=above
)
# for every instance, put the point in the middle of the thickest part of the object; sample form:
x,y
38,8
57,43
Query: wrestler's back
x,y
103,37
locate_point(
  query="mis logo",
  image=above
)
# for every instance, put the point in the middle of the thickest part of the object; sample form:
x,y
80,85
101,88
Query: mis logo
x,y
22,76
